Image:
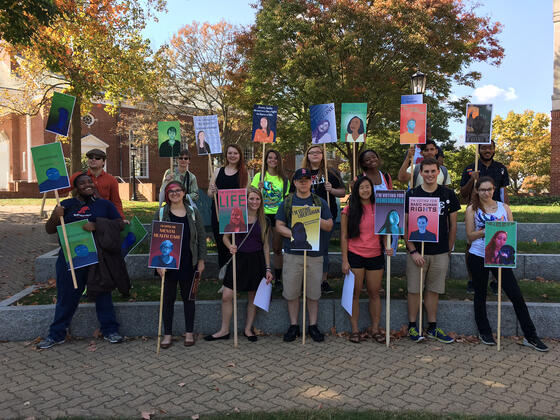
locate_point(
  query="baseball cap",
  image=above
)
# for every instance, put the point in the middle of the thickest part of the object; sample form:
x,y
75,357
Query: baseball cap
x,y
302,173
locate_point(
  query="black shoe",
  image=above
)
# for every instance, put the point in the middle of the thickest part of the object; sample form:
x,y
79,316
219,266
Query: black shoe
x,y
212,338
315,334
535,343
251,338
470,289
487,339
494,287
292,333
326,288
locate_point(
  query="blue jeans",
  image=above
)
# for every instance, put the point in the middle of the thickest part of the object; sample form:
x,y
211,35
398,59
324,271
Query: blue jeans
x,y
67,299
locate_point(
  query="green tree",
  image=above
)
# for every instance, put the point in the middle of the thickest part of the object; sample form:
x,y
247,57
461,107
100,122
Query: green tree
x,y
523,145
20,19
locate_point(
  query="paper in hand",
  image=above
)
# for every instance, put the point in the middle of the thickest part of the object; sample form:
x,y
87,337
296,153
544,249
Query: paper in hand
x,y
262,297
348,292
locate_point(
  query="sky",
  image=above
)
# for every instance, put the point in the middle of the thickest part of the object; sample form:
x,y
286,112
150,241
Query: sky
x,y
523,80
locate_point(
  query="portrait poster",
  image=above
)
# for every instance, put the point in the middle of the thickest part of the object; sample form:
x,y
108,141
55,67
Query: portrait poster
x,y
264,123
207,135
60,114
323,123
423,219
232,210
500,244
132,234
389,212
306,228
479,124
169,138
413,123
353,122
82,246
50,167
165,246
412,99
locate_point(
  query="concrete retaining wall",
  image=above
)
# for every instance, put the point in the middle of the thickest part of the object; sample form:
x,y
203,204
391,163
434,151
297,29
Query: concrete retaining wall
x,y
140,319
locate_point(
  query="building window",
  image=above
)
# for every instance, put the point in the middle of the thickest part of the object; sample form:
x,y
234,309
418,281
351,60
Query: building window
x,y
248,153
141,162
88,120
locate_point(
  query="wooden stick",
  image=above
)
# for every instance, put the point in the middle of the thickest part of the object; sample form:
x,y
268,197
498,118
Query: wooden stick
x,y
388,297
354,161
421,292
171,164
304,294
234,267
43,205
326,169
262,164
499,306
476,157
66,243
160,312
411,182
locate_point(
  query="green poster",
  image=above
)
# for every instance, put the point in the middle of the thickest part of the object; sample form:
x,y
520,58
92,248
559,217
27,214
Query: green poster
x,y
50,167
169,138
353,122
60,114
132,235
500,244
82,245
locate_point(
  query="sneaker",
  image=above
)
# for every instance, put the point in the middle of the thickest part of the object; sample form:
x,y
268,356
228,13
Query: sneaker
x,y
535,343
113,338
48,342
315,334
292,333
326,288
439,335
487,339
414,334
470,289
494,287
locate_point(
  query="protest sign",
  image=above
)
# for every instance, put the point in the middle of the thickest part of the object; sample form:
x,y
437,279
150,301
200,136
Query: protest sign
x,y
323,123
389,212
353,122
264,123
50,167
232,210
207,134
60,114
165,246
82,246
500,244
479,124
305,228
169,138
412,99
413,124
132,234
423,219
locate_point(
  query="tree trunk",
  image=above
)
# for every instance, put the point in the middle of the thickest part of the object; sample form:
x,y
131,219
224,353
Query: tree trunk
x,y
76,138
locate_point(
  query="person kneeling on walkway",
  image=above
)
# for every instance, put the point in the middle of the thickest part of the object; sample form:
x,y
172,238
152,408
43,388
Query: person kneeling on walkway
x,y
292,271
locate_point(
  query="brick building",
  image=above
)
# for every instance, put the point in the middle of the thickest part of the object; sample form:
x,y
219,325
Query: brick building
x,y
555,113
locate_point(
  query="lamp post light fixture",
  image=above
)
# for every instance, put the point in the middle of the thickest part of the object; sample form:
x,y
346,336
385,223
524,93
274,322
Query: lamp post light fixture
x,y
133,150
418,82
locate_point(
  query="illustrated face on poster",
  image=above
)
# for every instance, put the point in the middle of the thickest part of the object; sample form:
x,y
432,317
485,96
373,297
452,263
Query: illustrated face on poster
x,y
169,138
60,114
232,210
132,234
353,122
165,246
50,168
423,219
479,124
500,241
389,212
413,123
82,246
207,134
306,227
264,123
323,123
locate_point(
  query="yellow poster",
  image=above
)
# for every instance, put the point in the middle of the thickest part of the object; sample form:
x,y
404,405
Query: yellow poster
x,y
306,225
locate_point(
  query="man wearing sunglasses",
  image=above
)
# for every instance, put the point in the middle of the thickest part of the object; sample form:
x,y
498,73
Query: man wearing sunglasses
x,y
181,174
106,185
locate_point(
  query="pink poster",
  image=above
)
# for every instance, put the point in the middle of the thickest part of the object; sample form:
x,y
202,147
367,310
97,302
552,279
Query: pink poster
x,y
423,219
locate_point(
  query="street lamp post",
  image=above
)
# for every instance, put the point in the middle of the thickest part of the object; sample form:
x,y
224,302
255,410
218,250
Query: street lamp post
x,y
418,82
133,157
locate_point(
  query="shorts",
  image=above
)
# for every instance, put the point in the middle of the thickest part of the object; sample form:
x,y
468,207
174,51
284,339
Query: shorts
x,y
272,219
369,263
292,276
435,272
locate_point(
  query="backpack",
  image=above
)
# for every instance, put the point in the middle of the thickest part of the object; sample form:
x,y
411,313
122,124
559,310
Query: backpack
x,y
288,207
417,173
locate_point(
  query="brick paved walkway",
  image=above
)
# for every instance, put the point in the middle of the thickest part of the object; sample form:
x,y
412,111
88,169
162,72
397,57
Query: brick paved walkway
x,y
22,239
95,378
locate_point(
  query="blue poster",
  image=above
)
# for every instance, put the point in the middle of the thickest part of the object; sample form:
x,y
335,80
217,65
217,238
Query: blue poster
x,y
264,123
207,135
323,123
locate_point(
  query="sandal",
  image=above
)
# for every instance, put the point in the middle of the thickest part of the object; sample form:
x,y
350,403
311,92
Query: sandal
x,y
378,337
354,337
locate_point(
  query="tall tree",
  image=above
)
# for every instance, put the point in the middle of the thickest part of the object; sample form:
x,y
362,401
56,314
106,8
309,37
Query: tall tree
x,y
304,52
20,19
523,145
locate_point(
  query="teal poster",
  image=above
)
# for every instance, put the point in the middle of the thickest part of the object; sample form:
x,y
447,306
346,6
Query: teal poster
x,y
50,168
353,122
60,114
82,245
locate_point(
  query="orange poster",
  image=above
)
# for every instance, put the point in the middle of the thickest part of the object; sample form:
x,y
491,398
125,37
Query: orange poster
x,y
413,123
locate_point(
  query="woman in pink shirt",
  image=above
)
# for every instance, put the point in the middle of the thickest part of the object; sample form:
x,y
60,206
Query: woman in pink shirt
x,y
362,252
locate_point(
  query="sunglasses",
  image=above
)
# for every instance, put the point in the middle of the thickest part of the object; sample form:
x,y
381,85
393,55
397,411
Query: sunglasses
x,y
175,191
184,158
95,157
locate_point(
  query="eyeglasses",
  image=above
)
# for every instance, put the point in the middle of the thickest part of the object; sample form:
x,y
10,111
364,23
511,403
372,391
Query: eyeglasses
x,y
95,157
317,152
184,158
175,191
483,190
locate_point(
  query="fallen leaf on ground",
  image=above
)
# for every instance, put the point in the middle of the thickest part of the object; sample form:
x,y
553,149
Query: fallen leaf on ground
x,y
147,415
231,364
26,403
92,346
97,334
195,417
436,348
182,384
236,409
36,341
